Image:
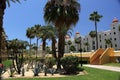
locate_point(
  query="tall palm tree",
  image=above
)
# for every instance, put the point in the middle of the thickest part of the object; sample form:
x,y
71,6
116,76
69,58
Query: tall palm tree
x,y
48,32
44,36
30,35
3,45
96,18
37,33
92,35
2,10
63,14
52,35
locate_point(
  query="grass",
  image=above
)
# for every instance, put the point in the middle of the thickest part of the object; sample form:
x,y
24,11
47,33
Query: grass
x,y
7,63
93,74
113,64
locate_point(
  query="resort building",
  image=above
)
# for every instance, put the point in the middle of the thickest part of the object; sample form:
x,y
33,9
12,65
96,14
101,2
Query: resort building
x,y
108,38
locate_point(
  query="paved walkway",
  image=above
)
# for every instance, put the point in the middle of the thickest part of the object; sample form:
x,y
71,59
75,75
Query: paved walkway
x,y
117,69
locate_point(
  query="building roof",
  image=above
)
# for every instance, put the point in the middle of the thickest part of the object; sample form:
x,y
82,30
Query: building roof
x,y
115,20
67,37
77,33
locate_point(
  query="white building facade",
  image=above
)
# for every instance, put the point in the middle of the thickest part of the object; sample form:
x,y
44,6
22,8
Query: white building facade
x,y
88,43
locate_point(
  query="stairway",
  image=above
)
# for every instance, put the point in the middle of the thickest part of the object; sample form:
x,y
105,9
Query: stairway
x,y
101,56
95,58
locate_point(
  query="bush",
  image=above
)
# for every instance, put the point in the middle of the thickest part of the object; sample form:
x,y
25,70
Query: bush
x,y
50,62
70,64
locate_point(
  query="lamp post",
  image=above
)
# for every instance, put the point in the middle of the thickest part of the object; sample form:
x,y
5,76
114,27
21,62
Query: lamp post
x,y
80,50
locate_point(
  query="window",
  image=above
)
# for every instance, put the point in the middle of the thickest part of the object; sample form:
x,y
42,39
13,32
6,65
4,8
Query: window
x,y
105,46
110,38
114,33
100,40
115,45
93,42
115,39
105,34
113,27
93,47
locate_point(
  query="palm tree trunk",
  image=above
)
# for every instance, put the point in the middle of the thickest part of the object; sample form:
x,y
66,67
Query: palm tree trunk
x,y
96,35
0,45
61,46
44,44
30,48
2,8
54,48
37,48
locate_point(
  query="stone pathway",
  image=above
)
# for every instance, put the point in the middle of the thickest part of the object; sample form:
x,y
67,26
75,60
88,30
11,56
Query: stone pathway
x,y
111,68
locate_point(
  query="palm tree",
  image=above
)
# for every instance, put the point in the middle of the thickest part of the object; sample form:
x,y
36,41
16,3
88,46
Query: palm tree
x,y
49,32
72,48
77,41
44,35
37,33
108,42
2,10
92,35
30,35
52,35
63,14
96,18
3,45
17,47
69,43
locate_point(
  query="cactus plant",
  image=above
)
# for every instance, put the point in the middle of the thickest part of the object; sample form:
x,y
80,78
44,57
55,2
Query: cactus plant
x,y
36,70
23,71
11,71
52,71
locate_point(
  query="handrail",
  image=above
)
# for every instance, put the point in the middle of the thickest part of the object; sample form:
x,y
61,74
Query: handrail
x,y
96,55
105,57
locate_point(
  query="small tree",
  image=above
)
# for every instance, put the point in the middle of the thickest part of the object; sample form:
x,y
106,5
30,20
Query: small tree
x,y
70,64
17,47
72,48
86,44
108,42
92,35
69,43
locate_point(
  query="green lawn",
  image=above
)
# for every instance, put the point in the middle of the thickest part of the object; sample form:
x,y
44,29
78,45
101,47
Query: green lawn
x,y
113,64
93,74
7,63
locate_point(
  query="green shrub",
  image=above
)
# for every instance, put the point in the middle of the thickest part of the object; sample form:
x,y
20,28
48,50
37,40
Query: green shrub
x,y
70,64
50,62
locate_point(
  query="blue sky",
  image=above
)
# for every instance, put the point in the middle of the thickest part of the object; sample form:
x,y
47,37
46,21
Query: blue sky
x,y
18,17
